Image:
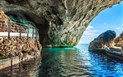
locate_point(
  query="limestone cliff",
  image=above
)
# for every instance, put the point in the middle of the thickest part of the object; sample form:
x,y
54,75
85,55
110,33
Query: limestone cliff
x,y
119,40
60,22
106,38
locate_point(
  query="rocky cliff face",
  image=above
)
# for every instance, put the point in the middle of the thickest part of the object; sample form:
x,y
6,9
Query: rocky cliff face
x,y
60,22
13,46
106,38
119,40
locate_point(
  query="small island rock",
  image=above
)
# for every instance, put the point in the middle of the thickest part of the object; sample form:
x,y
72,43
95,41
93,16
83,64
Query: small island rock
x,y
103,39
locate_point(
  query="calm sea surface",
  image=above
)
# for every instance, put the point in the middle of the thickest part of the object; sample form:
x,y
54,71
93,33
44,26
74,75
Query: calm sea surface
x,y
78,62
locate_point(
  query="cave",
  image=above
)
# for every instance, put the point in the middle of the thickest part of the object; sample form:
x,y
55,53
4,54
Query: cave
x,y
60,22
41,24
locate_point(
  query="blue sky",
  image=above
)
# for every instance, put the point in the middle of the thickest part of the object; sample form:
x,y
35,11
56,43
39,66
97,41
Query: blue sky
x,y
109,19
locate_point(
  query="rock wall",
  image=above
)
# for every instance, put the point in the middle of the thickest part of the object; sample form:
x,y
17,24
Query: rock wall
x,y
104,39
13,46
119,40
60,22
6,24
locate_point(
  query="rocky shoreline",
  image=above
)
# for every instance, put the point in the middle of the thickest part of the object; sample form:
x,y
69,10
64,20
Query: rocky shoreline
x,y
108,43
104,39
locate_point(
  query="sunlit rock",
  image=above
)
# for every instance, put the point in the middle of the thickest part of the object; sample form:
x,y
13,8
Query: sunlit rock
x,y
104,39
119,40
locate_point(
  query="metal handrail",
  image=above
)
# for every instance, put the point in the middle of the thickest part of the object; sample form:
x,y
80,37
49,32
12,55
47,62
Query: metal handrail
x,y
9,34
34,33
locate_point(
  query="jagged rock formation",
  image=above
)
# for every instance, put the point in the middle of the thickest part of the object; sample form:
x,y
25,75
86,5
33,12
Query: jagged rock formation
x,y
60,22
13,46
119,40
6,23
106,38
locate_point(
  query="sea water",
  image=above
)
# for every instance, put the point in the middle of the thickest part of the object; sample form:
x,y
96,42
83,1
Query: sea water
x,y
78,62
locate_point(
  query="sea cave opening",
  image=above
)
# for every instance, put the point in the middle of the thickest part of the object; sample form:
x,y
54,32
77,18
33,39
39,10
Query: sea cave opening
x,y
109,19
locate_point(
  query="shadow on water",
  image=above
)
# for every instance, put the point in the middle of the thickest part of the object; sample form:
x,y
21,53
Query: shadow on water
x,y
78,62
24,69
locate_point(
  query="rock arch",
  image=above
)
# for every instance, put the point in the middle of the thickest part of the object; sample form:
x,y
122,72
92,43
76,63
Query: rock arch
x,y
65,20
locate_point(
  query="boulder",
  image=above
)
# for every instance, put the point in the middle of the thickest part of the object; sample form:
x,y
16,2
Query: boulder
x,y
103,39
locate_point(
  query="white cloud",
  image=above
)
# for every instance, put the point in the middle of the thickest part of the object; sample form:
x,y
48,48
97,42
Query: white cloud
x,y
89,27
89,35
119,28
92,33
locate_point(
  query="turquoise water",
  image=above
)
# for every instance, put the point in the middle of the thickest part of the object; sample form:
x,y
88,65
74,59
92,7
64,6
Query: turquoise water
x,y
78,62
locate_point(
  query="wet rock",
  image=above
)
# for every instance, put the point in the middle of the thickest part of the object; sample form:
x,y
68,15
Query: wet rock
x,y
106,38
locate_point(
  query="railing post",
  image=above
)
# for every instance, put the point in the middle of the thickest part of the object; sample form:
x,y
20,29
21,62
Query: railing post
x,y
19,30
11,69
28,31
20,33
19,56
32,32
36,34
9,30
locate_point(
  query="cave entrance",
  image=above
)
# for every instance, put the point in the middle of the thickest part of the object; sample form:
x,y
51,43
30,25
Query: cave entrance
x,y
31,22
109,19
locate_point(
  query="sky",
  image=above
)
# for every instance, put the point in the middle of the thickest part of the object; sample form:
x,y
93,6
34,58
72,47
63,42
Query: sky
x,y
109,19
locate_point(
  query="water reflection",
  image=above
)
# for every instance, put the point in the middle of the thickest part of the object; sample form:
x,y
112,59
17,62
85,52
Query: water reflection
x,y
78,62
24,69
61,62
